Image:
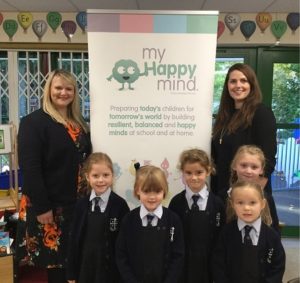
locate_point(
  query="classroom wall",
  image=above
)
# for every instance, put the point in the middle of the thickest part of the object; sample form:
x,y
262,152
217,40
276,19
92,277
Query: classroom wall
x,y
225,36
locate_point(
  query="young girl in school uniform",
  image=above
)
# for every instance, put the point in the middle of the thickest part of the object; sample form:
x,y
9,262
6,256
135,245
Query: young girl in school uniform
x,y
248,250
248,164
97,220
150,246
202,214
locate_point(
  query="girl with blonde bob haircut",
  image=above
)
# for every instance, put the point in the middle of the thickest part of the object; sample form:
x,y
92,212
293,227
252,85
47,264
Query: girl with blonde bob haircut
x,y
150,246
150,179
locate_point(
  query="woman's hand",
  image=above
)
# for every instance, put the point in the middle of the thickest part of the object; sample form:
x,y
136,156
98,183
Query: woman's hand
x,y
45,218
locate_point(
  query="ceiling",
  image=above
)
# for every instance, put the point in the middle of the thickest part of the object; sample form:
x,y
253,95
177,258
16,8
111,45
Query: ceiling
x,y
223,6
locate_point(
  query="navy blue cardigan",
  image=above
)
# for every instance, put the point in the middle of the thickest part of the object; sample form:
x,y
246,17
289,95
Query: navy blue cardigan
x,y
127,247
227,256
215,211
116,209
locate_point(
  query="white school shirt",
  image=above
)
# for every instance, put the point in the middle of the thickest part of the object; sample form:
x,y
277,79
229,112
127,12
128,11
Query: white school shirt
x,y
202,201
255,231
157,213
104,199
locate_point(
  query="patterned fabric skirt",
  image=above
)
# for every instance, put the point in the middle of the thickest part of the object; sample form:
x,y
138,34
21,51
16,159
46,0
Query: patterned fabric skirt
x,y
42,245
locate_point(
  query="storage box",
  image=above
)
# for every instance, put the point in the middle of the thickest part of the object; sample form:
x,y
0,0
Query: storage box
x,y
6,269
4,180
4,193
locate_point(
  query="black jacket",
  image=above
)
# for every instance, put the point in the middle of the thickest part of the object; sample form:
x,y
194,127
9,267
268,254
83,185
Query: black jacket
x,y
49,161
261,133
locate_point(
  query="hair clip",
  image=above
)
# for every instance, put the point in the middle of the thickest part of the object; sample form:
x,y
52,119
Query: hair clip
x,y
137,166
229,192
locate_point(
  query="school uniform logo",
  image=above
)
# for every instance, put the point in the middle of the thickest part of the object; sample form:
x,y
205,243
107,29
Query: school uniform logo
x,y
113,224
270,254
172,232
218,219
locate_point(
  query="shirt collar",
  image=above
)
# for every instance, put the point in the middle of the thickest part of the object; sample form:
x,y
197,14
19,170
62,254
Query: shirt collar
x,y
256,225
157,212
203,193
104,196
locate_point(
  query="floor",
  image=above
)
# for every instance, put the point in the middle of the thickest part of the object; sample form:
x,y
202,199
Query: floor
x,y
292,250
288,209
288,206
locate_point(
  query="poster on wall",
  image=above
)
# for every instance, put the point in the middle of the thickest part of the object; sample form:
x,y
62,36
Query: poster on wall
x,y
151,86
5,139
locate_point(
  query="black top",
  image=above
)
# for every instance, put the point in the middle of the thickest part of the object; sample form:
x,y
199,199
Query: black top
x,y
129,256
215,211
261,133
201,230
151,263
115,210
49,160
93,264
227,260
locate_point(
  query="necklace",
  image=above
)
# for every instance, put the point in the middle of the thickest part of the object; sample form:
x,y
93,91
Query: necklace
x,y
222,135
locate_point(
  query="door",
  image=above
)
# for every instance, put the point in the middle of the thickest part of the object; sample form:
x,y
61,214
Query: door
x,y
278,73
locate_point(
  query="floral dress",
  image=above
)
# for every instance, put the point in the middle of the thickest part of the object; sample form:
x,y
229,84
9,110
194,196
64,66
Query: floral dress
x,y
45,245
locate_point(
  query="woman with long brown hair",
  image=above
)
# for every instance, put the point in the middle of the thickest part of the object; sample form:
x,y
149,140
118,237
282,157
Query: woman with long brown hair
x,y
242,119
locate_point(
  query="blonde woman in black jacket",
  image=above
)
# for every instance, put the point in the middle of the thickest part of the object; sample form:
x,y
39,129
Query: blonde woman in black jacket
x,y
53,143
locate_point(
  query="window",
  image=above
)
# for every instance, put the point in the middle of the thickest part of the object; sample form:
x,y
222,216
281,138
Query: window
x,y
4,89
279,74
221,68
21,85
33,70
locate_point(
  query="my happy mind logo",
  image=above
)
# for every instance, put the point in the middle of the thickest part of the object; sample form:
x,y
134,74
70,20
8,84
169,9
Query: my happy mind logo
x,y
126,72
174,78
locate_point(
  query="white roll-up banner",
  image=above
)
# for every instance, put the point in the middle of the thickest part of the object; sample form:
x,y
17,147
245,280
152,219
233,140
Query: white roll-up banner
x,y
151,89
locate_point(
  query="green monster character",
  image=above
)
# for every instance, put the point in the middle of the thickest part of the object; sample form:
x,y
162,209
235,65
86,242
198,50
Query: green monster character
x,y
125,71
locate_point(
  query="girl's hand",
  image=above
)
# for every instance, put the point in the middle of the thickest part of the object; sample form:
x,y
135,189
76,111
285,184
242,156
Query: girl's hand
x,y
45,218
263,181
